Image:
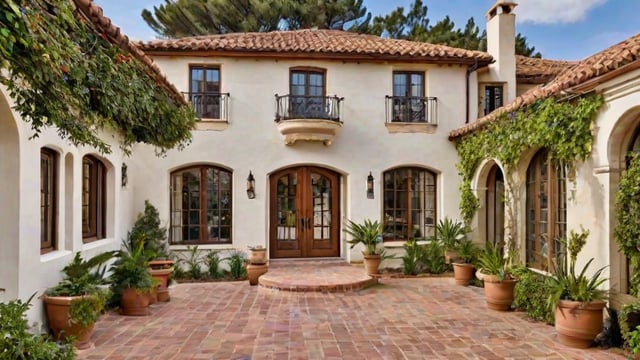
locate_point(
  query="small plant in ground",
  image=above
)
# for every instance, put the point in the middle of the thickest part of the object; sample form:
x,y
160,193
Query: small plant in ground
x,y
633,342
531,293
412,260
17,343
434,258
236,261
212,261
192,262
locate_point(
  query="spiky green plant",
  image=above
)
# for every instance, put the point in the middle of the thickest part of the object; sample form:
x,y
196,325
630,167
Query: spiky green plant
x,y
368,233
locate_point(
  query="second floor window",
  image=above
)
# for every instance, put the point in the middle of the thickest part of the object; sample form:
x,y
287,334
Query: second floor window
x,y
307,94
492,98
409,103
204,91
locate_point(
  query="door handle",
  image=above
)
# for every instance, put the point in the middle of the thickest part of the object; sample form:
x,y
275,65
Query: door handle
x,y
308,223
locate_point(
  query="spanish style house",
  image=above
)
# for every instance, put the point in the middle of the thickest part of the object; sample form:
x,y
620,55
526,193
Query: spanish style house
x,y
299,130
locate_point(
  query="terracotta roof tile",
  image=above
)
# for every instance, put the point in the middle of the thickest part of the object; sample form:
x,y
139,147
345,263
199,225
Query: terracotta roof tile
x,y
103,24
539,71
327,43
583,76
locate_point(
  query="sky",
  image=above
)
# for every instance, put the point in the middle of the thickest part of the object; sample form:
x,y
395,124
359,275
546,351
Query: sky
x,y
559,29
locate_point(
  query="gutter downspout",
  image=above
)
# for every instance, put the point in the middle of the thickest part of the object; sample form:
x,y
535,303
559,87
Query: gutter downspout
x,y
470,69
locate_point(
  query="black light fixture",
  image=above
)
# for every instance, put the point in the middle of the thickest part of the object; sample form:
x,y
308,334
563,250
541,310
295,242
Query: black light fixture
x,y
370,186
124,178
251,186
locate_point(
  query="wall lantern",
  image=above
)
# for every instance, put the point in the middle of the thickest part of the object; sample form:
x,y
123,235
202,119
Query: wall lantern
x,y
370,186
251,186
124,178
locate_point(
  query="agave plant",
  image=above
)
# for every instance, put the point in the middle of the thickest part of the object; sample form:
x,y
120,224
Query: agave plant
x,y
368,233
450,233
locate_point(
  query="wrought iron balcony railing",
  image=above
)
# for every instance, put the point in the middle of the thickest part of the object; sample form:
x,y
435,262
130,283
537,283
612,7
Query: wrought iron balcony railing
x,y
411,109
209,105
289,107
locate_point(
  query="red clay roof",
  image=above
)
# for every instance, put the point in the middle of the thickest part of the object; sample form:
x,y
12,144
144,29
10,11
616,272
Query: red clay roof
x,y
587,74
539,71
317,43
103,24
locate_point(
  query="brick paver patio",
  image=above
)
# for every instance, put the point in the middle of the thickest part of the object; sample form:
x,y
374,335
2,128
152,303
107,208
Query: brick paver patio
x,y
416,318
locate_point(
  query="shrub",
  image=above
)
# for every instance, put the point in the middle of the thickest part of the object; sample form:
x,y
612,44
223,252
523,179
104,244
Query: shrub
x,y
212,260
633,342
17,343
237,268
434,258
412,263
531,293
192,261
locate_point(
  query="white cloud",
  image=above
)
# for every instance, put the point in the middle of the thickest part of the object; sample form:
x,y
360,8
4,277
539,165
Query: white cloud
x,y
554,11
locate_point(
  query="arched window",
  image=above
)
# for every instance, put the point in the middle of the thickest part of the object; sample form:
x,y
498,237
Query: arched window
x,y
201,205
409,203
48,199
93,198
546,211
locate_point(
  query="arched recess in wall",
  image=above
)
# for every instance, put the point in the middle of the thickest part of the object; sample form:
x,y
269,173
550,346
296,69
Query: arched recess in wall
x,y
9,201
491,214
624,138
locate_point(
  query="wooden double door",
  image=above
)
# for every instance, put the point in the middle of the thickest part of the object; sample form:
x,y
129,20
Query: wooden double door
x,y
304,213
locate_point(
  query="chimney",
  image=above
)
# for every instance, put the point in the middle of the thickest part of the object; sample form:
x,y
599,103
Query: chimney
x,y
501,44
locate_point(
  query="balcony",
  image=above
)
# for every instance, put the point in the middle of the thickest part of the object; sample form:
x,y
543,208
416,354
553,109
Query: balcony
x,y
308,118
409,114
212,108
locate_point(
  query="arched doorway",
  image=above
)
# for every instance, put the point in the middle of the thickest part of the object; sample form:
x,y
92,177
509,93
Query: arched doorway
x,y
9,202
495,206
304,213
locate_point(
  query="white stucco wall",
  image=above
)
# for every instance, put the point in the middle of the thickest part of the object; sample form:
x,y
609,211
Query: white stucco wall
x,y
23,270
252,142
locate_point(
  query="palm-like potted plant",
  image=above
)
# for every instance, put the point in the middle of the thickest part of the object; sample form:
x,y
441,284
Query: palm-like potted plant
x,y
131,281
369,234
75,303
464,263
499,283
450,233
577,299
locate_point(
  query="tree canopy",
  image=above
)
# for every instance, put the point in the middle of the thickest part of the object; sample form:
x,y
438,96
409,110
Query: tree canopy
x,y
180,18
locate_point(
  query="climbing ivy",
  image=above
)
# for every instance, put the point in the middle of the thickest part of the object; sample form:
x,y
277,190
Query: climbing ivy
x,y
62,72
627,231
563,128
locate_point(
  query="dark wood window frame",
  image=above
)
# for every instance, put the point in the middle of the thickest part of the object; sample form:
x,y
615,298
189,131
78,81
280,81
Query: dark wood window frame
x,y
48,200
220,221
399,202
409,107
546,211
492,100
200,98
94,185
307,71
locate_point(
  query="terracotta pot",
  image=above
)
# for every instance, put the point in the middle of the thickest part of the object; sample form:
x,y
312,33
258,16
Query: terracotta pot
x,y
258,256
162,275
254,271
498,294
450,255
163,295
134,302
372,263
463,273
153,296
578,323
57,310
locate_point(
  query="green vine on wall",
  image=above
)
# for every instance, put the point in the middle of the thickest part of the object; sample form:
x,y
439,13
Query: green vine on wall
x,y
563,128
627,231
62,72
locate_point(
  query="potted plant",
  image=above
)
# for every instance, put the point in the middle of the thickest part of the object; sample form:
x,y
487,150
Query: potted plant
x,y
450,233
499,283
369,234
257,263
577,299
73,306
131,281
463,270
147,227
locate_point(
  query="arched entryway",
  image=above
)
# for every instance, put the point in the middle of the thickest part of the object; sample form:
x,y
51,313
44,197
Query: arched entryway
x,y
304,212
495,206
9,202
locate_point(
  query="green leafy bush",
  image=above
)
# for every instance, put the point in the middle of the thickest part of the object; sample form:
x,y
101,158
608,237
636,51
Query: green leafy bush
x,y
212,260
412,260
633,343
237,261
147,228
434,258
531,293
17,343
192,261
